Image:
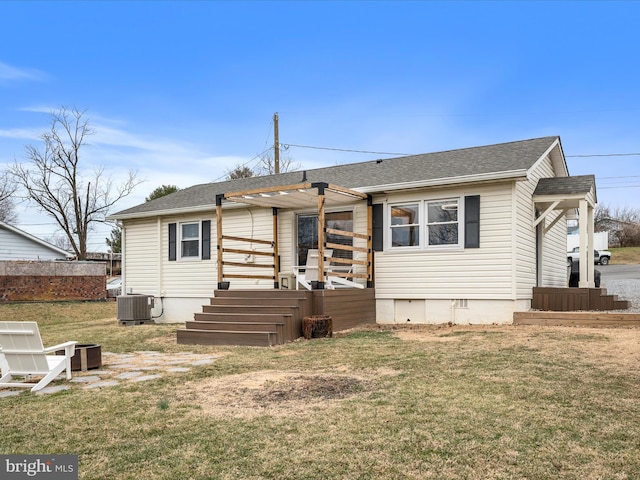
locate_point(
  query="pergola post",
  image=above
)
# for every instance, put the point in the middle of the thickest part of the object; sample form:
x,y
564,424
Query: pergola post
x,y
321,202
369,241
276,257
219,238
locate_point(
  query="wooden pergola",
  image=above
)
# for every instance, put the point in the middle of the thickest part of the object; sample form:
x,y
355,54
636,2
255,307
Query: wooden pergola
x,y
297,196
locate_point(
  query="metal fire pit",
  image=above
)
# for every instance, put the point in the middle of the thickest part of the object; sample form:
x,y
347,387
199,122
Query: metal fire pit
x,y
87,357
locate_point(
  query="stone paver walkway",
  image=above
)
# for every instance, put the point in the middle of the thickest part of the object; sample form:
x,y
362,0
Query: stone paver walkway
x,y
119,368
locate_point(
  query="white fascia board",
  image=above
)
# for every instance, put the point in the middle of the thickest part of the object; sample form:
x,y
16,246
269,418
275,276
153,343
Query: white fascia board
x,y
172,211
441,182
563,167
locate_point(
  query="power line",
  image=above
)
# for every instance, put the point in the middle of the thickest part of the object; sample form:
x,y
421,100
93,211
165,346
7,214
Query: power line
x,y
628,176
287,145
631,154
258,156
605,155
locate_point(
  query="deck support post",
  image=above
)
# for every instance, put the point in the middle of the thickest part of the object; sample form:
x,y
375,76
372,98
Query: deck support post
x,y
321,233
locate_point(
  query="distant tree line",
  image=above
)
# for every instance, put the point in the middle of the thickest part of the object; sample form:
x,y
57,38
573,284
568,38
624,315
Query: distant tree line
x,y
622,223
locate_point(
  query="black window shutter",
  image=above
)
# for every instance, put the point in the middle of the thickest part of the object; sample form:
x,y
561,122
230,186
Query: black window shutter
x,y
206,239
172,241
472,221
377,230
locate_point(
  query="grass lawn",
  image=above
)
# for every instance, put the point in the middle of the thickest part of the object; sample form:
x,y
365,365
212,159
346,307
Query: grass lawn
x,y
494,402
625,256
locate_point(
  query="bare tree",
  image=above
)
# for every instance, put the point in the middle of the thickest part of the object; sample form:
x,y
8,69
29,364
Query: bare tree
x,y
622,223
626,226
54,180
7,189
267,165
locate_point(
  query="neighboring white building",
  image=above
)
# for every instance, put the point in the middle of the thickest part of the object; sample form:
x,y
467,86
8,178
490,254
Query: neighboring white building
x,y
458,236
600,241
16,244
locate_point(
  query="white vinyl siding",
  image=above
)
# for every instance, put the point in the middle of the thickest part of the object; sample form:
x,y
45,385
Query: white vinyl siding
x,y
141,254
553,243
193,277
17,247
472,273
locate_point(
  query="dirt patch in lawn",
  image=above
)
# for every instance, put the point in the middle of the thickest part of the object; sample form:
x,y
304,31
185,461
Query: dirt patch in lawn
x,y
616,348
275,393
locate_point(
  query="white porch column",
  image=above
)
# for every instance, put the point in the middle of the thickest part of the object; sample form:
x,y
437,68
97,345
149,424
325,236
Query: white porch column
x,y
590,250
584,241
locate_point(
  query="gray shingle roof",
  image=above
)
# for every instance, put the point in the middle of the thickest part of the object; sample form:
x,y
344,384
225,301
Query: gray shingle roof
x,y
486,160
580,184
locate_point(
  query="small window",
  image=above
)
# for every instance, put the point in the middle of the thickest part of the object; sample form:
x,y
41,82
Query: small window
x,y
405,225
190,240
442,222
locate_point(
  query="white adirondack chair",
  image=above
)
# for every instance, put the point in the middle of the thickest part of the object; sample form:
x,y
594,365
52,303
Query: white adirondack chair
x,y
22,355
310,273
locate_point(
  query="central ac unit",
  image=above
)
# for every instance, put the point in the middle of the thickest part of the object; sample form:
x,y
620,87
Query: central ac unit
x,y
134,307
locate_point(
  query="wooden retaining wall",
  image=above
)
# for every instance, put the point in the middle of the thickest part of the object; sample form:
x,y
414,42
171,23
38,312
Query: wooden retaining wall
x,y
577,319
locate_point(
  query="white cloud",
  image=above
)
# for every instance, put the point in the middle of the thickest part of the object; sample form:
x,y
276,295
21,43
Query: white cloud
x,y
20,133
8,72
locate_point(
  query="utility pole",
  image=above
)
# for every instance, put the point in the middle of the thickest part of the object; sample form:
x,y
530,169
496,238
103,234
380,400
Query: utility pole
x,y
276,145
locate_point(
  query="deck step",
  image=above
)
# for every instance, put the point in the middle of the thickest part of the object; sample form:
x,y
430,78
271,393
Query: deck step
x,y
304,294
262,302
242,317
576,299
272,327
249,338
291,309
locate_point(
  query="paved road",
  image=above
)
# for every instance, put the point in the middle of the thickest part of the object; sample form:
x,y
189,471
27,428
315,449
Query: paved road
x,y
619,272
624,281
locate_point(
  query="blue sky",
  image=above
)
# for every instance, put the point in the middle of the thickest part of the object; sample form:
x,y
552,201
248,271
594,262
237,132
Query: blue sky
x,y
183,92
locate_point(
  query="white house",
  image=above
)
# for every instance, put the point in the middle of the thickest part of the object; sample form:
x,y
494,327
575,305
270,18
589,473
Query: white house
x,y
16,244
458,236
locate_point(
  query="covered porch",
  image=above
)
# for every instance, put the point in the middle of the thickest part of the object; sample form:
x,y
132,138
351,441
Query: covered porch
x,y
588,304
558,197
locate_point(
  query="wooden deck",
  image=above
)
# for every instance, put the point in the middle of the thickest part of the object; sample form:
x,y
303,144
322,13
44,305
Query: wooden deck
x,y
576,307
575,299
274,317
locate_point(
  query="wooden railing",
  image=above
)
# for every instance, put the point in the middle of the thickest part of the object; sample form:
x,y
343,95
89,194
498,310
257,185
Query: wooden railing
x,y
273,266
350,272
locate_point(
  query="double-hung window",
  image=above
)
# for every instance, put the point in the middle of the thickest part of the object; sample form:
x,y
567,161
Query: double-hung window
x,y
190,240
442,222
433,223
405,225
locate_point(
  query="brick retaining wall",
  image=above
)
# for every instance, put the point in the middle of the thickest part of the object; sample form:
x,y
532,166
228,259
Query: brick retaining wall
x,y
50,281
